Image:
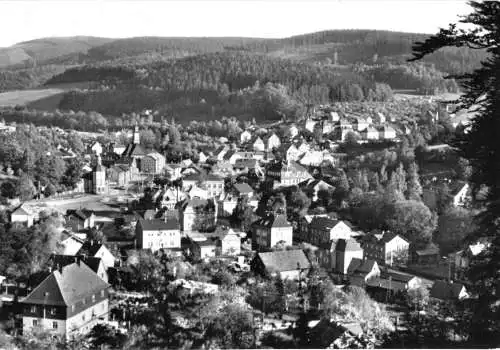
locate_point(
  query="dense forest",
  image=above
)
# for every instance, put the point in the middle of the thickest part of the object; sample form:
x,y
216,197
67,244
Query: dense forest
x,y
332,48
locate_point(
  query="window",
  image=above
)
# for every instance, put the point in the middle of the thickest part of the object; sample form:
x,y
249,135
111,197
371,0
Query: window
x,y
93,298
52,311
54,325
73,308
83,317
35,323
102,293
33,309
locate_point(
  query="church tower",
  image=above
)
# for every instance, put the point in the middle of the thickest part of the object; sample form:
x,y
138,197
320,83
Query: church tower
x,y
99,177
137,139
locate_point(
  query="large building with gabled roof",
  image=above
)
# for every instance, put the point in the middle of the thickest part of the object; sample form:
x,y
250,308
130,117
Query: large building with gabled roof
x,y
271,230
70,301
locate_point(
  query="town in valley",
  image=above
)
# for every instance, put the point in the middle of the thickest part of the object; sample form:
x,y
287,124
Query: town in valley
x,y
202,193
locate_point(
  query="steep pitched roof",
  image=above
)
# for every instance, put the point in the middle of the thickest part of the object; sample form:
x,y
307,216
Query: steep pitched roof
x,y
81,214
444,290
322,222
157,224
21,210
134,150
274,221
285,260
66,286
64,260
243,188
349,245
361,266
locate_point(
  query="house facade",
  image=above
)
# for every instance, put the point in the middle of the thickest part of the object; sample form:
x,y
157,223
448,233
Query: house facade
x,y
324,229
158,234
269,231
70,301
286,174
197,214
23,216
289,264
153,163
80,219
386,248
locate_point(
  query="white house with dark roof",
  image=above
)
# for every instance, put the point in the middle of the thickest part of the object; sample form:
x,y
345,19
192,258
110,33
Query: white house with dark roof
x,y
324,229
22,215
98,250
387,132
286,173
70,301
158,234
271,230
361,271
443,290
370,134
258,144
386,248
245,137
289,264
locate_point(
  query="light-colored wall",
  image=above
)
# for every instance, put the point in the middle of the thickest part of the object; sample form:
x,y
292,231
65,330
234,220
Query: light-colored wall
x,y
28,219
396,247
340,231
346,258
83,322
44,324
107,258
80,323
156,240
281,234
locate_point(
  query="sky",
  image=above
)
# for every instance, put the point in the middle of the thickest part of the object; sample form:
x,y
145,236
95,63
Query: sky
x,y
26,20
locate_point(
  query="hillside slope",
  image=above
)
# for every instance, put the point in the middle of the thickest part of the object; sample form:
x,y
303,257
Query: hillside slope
x,y
47,48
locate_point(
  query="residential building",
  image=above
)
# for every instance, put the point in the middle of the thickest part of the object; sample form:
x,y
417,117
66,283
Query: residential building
x,y
71,243
312,187
202,157
228,241
460,260
220,152
386,248
370,133
153,163
361,124
245,137
380,118
242,189
70,301
173,171
98,250
212,183
59,260
286,174
292,131
271,142
387,132
227,204
81,219
119,175
428,255
361,271
258,145
345,251
289,264
96,148
395,281
271,230
22,215
290,152
202,249
158,234
329,334
310,124
460,191
325,229
446,291
197,214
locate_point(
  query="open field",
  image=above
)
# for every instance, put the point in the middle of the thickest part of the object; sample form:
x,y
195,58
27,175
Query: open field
x,y
22,97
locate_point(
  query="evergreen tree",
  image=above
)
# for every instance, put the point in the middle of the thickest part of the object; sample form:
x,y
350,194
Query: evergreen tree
x,y
414,191
481,148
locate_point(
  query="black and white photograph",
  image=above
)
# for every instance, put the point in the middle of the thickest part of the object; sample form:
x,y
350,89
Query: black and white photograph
x,y
249,174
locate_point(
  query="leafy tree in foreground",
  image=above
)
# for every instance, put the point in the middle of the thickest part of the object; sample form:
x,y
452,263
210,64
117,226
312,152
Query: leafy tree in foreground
x,y
481,148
